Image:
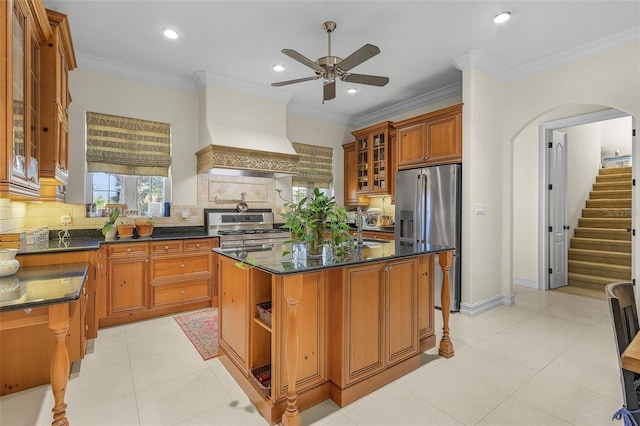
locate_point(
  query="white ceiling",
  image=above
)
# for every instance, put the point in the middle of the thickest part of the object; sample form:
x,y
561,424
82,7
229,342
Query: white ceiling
x,y
239,41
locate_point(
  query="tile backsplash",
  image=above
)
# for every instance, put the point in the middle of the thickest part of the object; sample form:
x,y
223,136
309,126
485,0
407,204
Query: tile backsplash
x,y
260,194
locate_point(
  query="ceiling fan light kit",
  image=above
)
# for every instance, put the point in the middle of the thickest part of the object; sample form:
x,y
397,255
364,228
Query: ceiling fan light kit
x,y
330,68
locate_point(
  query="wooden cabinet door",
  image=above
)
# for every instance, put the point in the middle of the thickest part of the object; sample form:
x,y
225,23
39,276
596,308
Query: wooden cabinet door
x,y
364,321
128,285
411,145
234,312
351,177
425,298
444,137
401,310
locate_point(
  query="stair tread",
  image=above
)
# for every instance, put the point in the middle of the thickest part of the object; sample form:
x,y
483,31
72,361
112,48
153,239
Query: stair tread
x,y
599,264
593,278
603,253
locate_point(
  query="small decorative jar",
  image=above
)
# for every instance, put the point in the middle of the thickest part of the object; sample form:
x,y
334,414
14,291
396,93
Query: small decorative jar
x,y
8,263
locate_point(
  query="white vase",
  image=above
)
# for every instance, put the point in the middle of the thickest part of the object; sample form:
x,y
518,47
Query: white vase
x,y
111,234
8,263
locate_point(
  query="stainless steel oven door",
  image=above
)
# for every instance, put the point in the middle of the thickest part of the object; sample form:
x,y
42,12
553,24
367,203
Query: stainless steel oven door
x,y
263,241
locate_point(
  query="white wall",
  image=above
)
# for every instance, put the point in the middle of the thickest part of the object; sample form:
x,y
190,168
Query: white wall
x,y
608,80
108,94
583,163
616,135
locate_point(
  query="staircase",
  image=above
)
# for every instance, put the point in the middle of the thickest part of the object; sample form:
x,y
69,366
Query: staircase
x,y
600,251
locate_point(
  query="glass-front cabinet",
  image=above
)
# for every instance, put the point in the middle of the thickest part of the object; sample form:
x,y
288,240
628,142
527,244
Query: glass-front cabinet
x,y
26,28
373,159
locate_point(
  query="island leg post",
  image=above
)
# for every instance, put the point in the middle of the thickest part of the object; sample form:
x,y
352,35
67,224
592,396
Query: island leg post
x,y
292,294
446,345
59,373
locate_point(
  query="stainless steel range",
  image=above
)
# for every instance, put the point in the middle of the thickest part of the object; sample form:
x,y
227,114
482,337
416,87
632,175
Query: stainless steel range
x,y
244,229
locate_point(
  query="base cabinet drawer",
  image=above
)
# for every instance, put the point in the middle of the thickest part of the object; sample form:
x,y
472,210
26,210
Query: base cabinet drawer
x,y
164,294
162,267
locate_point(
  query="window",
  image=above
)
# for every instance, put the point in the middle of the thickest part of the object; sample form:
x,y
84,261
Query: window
x,y
128,160
136,192
316,170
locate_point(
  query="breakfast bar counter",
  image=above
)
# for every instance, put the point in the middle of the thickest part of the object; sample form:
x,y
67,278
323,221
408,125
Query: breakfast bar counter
x,y
32,299
298,330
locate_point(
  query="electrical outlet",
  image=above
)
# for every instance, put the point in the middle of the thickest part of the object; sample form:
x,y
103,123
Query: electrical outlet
x,y
65,220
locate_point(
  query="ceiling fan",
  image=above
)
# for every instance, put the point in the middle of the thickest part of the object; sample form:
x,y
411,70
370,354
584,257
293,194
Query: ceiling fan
x,y
331,67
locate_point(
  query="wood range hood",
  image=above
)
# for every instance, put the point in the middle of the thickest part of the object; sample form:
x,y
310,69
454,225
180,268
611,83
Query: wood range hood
x,y
220,159
234,121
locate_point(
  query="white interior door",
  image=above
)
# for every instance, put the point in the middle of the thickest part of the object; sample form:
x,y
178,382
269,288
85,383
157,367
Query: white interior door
x,y
558,229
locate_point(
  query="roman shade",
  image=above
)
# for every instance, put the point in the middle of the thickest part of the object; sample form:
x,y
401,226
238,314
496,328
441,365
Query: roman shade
x,y
316,166
127,146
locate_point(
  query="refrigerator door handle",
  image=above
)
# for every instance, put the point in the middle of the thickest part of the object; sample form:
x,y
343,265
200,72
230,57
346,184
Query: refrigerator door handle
x,y
419,210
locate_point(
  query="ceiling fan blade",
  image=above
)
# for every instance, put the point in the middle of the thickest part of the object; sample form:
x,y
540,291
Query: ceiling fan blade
x,y
373,80
298,80
367,51
302,59
329,91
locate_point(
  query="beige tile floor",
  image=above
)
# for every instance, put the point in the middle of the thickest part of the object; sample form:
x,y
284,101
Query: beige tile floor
x,y
547,360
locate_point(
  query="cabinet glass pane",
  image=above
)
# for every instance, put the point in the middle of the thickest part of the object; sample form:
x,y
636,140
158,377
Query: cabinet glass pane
x,y
363,163
35,108
18,43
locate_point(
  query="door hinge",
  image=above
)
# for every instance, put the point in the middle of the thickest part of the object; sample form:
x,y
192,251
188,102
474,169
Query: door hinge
x,y
550,144
550,271
633,282
633,132
633,182
550,187
633,232
551,229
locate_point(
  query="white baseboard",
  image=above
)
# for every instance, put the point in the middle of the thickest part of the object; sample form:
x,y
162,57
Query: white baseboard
x,y
493,302
525,283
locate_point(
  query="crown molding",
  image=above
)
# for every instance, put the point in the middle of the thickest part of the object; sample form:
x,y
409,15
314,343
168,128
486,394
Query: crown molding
x,y
201,79
480,60
127,71
446,92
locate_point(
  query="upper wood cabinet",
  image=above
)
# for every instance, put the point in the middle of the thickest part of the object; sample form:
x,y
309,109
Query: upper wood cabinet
x,y
25,27
57,58
351,199
430,139
373,157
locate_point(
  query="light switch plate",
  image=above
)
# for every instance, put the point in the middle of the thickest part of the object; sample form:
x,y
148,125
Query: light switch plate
x,y
481,209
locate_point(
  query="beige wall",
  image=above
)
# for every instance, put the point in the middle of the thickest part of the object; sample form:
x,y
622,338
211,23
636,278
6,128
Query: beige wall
x,y
609,80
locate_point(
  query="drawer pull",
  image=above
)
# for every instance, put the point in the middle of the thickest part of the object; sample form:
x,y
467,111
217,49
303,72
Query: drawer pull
x,y
182,266
128,250
198,245
182,291
166,247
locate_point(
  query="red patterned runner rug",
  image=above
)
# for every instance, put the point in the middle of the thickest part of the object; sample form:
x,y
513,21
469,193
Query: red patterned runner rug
x,y
201,328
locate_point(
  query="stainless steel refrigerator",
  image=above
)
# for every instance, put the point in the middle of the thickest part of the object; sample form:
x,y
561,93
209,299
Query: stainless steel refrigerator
x,y
428,210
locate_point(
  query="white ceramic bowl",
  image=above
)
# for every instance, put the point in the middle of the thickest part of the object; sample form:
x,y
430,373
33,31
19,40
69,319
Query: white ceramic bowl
x,y
8,264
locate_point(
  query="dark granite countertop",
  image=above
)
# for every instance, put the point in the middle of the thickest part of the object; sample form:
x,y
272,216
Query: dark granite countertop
x,y
271,259
42,286
90,239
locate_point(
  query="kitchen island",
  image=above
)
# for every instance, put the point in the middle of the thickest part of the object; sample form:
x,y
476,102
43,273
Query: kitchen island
x,y
37,303
328,327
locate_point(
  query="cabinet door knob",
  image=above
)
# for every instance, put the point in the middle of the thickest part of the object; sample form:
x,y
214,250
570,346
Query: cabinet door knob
x,y
182,266
128,250
198,245
181,291
166,247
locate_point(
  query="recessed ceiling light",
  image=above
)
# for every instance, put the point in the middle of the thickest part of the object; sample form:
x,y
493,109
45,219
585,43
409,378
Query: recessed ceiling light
x,y
169,33
352,90
502,17
278,67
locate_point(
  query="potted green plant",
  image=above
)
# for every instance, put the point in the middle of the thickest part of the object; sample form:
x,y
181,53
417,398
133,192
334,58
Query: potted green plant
x,y
125,230
315,221
109,229
144,227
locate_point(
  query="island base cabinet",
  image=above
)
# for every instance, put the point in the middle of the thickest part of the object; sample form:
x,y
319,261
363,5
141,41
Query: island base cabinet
x,y
27,346
373,318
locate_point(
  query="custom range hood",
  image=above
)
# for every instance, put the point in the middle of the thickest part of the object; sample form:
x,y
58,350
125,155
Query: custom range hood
x,y
242,130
